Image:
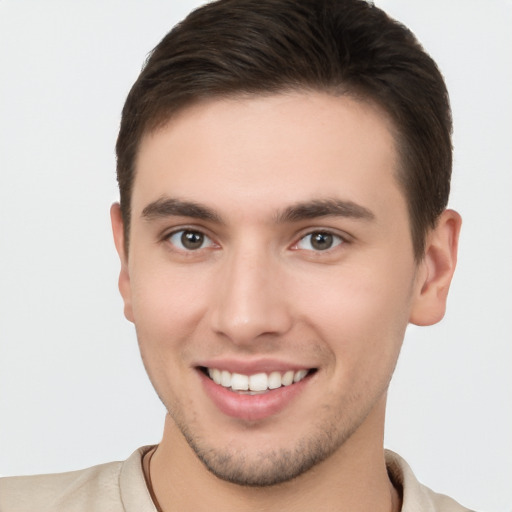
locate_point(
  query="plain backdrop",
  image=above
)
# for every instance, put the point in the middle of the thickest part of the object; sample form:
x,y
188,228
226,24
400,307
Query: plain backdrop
x,y
73,391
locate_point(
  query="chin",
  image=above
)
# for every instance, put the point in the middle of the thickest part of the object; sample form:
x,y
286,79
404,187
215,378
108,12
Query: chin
x,y
260,465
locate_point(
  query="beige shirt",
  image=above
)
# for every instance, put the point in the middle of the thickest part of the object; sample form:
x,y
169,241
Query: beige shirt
x,y
121,487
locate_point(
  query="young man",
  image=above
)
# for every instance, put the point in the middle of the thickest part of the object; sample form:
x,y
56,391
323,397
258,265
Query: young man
x,y
284,170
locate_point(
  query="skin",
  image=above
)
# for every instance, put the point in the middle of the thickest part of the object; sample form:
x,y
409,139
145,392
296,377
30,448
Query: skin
x,y
258,290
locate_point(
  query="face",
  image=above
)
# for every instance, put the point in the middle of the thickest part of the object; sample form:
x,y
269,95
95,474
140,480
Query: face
x,y
270,278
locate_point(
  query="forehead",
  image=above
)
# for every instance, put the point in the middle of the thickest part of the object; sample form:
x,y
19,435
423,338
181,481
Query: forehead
x,y
264,152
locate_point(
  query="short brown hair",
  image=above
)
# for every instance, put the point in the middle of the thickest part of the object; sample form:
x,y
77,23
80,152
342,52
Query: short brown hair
x,y
255,47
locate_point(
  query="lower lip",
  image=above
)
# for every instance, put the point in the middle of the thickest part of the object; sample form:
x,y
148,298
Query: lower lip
x,y
252,407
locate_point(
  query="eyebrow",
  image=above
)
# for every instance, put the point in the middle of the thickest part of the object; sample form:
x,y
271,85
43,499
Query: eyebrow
x,y
324,208
168,207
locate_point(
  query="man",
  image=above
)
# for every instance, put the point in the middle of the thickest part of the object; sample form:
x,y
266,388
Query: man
x,y
284,171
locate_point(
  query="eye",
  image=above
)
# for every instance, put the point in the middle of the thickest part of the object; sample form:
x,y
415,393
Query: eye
x,y
189,240
319,241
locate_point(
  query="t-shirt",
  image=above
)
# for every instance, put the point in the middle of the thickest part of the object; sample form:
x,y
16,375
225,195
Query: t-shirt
x,y
121,487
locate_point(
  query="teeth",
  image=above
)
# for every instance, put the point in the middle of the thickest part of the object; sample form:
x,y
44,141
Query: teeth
x,y
215,375
288,377
257,382
299,375
225,379
275,380
239,382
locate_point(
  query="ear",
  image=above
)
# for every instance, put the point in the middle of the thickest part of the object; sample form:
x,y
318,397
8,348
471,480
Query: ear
x,y
124,275
435,271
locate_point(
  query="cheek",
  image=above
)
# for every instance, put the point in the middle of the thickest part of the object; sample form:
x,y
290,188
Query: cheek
x,y
166,312
362,316
167,296
167,308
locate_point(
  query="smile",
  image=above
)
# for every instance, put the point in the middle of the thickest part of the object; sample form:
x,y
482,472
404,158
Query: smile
x,y
254,394
257,383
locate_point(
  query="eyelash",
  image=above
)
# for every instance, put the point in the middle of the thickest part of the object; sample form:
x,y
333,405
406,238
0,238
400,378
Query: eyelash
x,y
335,239
188,231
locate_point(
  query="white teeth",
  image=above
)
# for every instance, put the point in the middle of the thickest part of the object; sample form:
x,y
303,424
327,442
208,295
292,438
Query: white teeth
x,y
257,382
299,375
274,380
215,375
225,379
288,378
239,382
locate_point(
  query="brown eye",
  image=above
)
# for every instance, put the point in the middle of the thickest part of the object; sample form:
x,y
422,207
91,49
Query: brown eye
x,y
319,241
189,240
192,240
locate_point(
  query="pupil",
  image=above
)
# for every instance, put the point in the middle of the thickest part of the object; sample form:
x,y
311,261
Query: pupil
x,y
321,241
192,239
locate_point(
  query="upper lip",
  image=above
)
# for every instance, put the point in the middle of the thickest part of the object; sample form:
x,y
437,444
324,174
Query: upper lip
x,y
251,367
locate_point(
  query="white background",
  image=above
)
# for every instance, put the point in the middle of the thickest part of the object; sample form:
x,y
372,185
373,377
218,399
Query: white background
x,y
73,392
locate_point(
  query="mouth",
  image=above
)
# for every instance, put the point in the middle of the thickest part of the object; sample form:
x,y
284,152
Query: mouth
x,y
258,383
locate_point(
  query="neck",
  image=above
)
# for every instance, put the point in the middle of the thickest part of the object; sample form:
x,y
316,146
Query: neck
x,y
353,478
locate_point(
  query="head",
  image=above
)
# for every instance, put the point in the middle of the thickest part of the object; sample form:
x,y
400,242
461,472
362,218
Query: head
x,y
284,168
343,47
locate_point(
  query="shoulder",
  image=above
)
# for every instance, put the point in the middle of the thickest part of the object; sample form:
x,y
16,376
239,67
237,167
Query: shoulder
x,y
417,497
76,490
99,488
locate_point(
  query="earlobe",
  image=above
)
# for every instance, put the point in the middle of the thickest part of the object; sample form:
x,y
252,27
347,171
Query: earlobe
x,y
436,270
124,275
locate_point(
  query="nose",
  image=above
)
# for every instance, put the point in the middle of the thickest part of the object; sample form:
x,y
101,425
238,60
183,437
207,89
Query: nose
x,y
251,300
